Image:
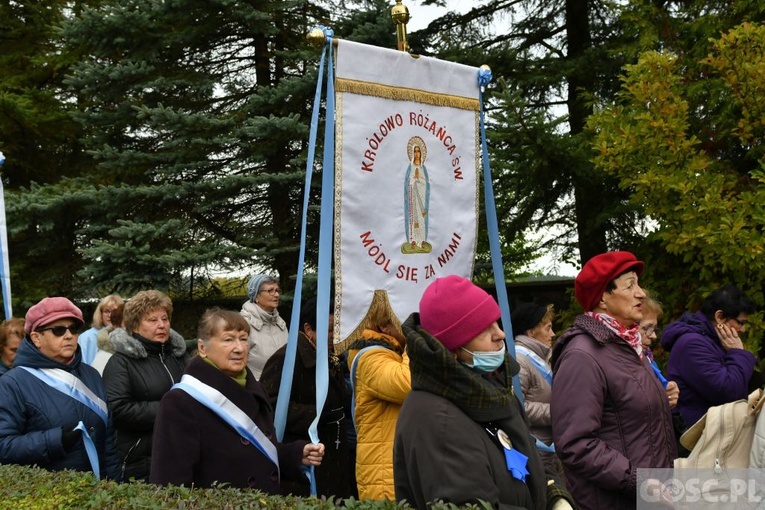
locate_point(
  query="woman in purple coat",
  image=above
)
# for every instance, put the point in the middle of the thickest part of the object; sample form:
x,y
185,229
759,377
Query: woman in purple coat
x,y
707,358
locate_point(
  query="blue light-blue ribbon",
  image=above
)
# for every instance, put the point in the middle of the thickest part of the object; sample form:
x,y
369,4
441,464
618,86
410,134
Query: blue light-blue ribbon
x,y
326,233
539,364
90,449
5,267
484,77
656,370
325,259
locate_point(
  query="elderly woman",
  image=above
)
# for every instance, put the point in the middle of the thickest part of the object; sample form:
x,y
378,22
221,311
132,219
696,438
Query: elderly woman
x,y
52,405
11,334
148,359
217,425
102,318
461,435
707,358
649,333
610,414
532,325
268,331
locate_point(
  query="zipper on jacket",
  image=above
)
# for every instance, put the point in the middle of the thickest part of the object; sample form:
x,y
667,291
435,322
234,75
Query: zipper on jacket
x,y
718,468
162,360
127,456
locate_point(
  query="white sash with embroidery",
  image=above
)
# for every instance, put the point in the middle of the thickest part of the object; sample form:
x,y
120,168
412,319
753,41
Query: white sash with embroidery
x,y
226,410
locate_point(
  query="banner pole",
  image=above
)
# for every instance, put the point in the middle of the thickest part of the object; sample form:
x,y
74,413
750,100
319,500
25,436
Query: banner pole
x,y
399,13
5,267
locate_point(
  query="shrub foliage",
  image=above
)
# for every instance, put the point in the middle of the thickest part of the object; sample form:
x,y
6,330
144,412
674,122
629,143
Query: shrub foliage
x,y
32,488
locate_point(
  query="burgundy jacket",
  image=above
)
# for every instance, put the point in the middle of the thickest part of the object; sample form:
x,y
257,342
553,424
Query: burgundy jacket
x,y
193,446
610,416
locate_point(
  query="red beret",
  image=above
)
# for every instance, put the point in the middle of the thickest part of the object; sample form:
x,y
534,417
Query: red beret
x,y
590,283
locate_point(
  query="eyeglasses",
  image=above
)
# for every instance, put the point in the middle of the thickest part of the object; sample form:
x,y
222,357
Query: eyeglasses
x,y
650,330
61,330
271,292
741,323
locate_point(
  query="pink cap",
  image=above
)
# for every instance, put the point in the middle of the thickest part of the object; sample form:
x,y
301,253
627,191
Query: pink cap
x,y
455,310
51,309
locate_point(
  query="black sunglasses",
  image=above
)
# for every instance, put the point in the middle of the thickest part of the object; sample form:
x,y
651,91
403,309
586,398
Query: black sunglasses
x,y
61,330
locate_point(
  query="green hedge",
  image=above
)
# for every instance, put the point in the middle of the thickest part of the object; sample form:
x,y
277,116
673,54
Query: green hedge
x,y
32,488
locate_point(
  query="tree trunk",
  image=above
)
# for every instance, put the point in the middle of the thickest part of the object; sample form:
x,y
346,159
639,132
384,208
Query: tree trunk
x,y
591,229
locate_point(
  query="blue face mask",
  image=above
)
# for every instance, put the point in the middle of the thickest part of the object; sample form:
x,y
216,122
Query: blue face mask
x,y
486,361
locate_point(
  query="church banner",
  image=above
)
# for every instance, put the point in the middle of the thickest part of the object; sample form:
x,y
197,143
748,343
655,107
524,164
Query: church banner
x,y
407,132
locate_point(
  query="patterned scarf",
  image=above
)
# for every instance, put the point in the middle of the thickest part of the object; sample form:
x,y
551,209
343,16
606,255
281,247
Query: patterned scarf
x,y
434,369
629,335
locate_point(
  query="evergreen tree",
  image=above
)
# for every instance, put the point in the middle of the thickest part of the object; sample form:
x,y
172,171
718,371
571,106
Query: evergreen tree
x,y
553,56
196,113
41,143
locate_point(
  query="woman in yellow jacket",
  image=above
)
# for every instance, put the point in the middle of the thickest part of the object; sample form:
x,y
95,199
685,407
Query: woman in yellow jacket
x,y
381,382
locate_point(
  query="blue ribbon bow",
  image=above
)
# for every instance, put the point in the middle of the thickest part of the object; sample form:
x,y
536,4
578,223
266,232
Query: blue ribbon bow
x,y
516,464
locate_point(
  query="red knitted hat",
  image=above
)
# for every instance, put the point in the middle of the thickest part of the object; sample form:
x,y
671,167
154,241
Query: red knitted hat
x,y
591,282
454,310
51,309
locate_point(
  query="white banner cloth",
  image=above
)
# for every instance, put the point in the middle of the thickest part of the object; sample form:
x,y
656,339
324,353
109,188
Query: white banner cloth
x,y
406,177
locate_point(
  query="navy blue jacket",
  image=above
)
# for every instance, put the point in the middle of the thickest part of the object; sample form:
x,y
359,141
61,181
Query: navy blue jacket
x,y
32,415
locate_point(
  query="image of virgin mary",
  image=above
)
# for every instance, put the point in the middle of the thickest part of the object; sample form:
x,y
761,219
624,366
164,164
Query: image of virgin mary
x,y
416,199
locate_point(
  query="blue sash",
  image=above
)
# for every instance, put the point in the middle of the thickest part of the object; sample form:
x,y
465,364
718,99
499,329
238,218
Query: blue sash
x,y
227,411
354,364
68,384
542,367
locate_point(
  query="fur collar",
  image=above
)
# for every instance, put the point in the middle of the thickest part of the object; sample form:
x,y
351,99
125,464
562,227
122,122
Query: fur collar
x,y
125,343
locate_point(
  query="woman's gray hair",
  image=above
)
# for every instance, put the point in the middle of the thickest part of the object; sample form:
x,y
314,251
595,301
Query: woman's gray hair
x,y
215,320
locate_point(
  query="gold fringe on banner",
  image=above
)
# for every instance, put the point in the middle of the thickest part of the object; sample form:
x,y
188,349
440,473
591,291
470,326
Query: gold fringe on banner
x,y
379,307
366,88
